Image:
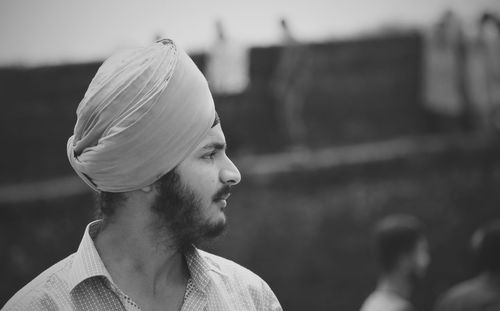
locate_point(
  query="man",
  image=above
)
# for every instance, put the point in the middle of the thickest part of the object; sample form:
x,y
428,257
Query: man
x,y
227,64
148,139
445,95
403,256
484,64
481,293
289,85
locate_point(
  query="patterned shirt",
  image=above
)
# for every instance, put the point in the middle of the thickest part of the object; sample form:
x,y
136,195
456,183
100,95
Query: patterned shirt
x,y
384,300
82,282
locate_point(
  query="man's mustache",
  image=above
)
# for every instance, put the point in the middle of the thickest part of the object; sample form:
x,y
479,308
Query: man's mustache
x,y
222,193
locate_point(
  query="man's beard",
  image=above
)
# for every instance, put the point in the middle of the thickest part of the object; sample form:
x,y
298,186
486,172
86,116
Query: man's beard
x,y
180,219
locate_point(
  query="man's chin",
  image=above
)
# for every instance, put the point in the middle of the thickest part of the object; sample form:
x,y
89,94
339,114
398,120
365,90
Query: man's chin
x,y
215,229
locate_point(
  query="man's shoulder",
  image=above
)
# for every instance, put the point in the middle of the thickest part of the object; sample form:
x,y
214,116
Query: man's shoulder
x,y
463,290
249,289
385,301
38,293
469,292
231,269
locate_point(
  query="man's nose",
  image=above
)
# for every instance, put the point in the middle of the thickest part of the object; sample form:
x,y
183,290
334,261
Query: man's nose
x,y
230,174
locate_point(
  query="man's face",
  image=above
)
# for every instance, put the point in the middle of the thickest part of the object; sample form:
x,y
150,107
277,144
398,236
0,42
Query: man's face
x,y
192,198
209,174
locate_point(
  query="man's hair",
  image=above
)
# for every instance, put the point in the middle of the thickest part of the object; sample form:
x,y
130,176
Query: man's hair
x,y
216,119
487,17
486,246
108,202
395,236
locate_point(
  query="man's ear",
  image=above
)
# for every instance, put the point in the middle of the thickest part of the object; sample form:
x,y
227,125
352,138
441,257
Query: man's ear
x,y
146,193
141,197
147,189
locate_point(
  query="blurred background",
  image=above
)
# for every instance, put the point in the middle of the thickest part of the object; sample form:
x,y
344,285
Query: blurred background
x,y
336,112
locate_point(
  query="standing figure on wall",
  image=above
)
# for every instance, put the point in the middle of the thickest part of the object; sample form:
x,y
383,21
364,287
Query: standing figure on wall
x,y
290,83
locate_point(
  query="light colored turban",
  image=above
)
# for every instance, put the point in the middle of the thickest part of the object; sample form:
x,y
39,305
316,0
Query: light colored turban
x,y
144,112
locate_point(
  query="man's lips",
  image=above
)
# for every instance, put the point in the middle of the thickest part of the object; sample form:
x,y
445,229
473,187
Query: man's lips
x,y
222,197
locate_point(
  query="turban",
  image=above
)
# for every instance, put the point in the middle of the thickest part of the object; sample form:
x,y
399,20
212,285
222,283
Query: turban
x,y
144,112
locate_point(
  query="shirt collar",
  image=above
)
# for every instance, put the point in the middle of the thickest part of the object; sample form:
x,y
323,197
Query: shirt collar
x,y
86,262
200,267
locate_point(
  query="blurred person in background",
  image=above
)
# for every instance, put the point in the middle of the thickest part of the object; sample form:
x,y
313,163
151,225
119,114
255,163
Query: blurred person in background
x,y
289,85
403,256
227,64
445,96
484,71
148,140
481,293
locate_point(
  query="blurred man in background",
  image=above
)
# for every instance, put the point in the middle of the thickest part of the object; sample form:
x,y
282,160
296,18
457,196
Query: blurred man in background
x,y
483,59
403,257
149,141
445,95
227,64
289,86
481,293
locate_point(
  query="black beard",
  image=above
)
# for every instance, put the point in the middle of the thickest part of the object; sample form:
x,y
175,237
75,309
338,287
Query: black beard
x,y
180,215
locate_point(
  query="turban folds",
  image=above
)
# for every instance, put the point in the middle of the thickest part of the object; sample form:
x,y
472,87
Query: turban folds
x,y
144,112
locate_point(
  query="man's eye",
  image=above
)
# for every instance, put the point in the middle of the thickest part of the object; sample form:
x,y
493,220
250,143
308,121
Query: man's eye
x,y
210,155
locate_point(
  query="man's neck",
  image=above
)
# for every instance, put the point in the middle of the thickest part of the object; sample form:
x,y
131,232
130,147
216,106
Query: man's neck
x,y
395,283
139,264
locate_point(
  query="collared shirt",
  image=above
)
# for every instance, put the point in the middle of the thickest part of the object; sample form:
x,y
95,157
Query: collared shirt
x,y
82,282
384,300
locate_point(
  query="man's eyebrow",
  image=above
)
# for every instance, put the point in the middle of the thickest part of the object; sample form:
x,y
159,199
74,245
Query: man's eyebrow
x,y
216,146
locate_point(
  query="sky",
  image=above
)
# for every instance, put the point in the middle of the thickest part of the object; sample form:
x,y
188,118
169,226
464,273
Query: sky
x,y
40,32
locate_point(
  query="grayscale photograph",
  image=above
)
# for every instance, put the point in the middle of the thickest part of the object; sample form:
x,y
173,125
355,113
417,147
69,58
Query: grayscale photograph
x,y
250,155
